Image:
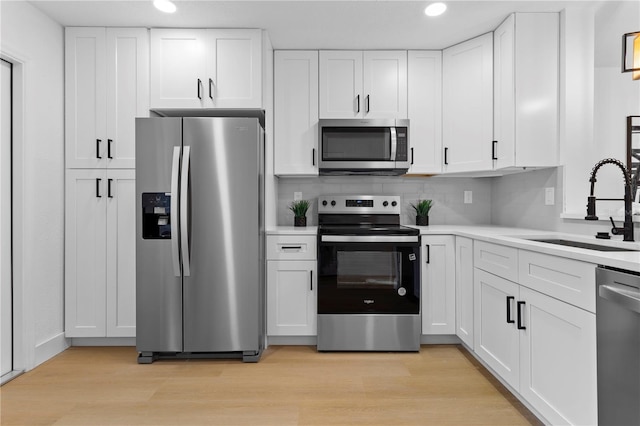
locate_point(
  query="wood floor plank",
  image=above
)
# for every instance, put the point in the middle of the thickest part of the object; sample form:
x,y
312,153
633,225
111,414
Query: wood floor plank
x,y
291,385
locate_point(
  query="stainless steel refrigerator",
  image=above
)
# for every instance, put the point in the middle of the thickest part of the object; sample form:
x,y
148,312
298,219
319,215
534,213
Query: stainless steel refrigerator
x,y
200,237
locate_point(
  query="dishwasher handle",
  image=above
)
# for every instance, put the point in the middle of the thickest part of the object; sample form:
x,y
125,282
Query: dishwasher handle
x,y
625,296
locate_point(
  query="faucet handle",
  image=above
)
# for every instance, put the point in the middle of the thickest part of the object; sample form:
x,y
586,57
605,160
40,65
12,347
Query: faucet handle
x,y
615,230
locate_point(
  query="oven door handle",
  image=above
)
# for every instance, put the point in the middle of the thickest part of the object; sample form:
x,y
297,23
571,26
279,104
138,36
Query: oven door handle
x,y
369,239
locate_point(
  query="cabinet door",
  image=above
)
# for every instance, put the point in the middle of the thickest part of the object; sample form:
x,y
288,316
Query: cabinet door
x,y
121,253
179,68
385,84
296,113
558,360
496,341
291,298
234,69
425,111
85,98
464,290
504,126
341,84
438,285
467,92
85,255
127,92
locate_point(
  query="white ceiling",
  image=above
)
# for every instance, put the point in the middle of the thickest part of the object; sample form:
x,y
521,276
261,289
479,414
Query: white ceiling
x,y
309,24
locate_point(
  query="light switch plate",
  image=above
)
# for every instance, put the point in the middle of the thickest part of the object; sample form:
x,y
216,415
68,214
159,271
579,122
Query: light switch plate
x,y
549,196
297,196
468,197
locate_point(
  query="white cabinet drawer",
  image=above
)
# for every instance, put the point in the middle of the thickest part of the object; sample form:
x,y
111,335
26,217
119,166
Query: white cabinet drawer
x,y
291,247
496,259
565,279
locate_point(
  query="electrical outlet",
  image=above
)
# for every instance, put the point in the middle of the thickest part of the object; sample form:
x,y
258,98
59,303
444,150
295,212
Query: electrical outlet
x,y
468,197
297,196
549,196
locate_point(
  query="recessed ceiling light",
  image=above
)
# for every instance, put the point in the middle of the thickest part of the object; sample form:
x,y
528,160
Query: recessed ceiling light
x,y
435,9
165,6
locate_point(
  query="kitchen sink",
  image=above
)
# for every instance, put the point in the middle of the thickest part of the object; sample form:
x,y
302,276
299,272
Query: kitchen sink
x,y
580,244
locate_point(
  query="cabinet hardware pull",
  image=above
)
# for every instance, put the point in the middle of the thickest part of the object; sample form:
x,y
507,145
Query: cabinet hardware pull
x,y
98,180
428,253
509,319
411,156
291,247
494,151
367,104
311,272
358,103
446,157
313,157
109,142
109,188
199,86
98,141
210,91
520,315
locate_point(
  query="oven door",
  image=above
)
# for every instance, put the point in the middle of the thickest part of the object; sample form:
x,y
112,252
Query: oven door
x,y
368,275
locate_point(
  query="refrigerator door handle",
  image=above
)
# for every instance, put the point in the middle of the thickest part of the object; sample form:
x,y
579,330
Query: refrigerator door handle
x,y
173,208
184,214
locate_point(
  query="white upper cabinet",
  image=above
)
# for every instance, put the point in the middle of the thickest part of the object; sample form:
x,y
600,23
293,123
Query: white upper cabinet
x,y
296,113
206,68
526,73
468,105
425,111
106,87
356,84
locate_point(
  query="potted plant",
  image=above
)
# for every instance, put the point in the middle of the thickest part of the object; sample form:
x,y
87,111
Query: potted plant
x,y
422,208
299,209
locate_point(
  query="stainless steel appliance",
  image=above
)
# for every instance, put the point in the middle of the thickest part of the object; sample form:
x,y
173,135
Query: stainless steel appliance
x,y
368,276
618,341
368,147
200,245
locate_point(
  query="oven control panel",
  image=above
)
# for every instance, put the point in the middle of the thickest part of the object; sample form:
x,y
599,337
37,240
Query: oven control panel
x,y
359,204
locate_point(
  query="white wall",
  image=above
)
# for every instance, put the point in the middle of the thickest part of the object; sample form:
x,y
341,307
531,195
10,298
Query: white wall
x,y
29,37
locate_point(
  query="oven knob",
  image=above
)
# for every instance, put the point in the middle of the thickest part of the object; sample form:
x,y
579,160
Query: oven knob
x,y
393,204
402,291
333,202
386,203
324,203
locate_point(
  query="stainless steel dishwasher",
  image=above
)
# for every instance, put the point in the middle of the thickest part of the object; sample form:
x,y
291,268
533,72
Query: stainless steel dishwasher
x,y
618,342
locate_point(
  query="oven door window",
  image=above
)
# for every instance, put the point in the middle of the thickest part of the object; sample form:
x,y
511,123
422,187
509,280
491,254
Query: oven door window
x,y
365,278
356,144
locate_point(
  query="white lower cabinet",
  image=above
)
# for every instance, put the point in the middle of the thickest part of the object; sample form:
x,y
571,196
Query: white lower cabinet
x,y
291,285
100,253
464,290
438,295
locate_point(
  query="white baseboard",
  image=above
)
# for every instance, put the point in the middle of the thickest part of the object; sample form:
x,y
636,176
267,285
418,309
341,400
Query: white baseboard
x,y
292,340
50,348
440,339
103,341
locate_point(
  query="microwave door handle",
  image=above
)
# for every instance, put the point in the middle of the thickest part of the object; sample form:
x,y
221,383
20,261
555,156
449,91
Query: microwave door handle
x,y
173,208
184,213
394,143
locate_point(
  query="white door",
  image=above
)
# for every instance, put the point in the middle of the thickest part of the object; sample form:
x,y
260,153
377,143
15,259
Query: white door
x,y
496,340
296,113
85,98
234,68
504,127
464,290
341,84
86,195
121,253
179,68
438,295
127,92
425,111
385,84
6,299
291,298
558,359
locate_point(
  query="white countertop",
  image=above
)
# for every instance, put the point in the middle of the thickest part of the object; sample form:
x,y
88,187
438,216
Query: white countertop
x,y
292,230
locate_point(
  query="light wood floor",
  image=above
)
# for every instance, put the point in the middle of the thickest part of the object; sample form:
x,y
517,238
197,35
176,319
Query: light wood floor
x,y
291,385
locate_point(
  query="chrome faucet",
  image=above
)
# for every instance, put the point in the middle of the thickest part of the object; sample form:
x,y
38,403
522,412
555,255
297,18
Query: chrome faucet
x,y
627,228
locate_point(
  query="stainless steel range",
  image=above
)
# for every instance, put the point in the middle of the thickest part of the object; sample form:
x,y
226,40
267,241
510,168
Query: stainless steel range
x,y
368,275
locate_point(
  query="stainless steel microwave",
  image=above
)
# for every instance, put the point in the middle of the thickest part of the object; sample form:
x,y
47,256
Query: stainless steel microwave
x,y
363,147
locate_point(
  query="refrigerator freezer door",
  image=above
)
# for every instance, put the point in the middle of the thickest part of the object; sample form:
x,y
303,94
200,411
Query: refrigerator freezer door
x,y
221,296
158,289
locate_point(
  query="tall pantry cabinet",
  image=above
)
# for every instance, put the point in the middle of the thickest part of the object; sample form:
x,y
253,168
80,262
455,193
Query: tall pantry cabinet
x,y
106,87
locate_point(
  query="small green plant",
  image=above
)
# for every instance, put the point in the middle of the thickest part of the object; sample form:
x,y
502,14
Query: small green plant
x,y
422,207
299,208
